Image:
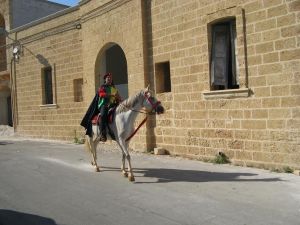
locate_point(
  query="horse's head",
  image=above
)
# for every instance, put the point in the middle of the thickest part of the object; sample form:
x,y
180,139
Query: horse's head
x,y
151,104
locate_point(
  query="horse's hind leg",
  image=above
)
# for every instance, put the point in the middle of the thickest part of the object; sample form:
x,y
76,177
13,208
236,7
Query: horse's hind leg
x,y
124,172
91,147
130,176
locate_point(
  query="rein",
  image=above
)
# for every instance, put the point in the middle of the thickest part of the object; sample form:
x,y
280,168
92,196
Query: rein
x,y
136,130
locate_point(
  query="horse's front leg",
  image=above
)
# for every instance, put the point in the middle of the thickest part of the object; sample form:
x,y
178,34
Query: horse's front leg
x,y
125,155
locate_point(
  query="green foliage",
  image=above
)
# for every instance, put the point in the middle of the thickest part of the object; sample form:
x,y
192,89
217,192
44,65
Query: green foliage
x,y
287,169
275,170
78,140
221,158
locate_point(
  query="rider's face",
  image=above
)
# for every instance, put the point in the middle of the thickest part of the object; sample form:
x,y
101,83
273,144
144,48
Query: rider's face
x,y
108,80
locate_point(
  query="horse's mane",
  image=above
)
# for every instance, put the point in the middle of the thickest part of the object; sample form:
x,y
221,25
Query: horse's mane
x,y
129,103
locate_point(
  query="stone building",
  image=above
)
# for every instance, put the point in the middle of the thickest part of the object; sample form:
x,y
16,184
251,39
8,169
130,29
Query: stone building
x,y
227,72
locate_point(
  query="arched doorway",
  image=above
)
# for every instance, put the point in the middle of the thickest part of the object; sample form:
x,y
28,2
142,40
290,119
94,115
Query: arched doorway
x,y
111,58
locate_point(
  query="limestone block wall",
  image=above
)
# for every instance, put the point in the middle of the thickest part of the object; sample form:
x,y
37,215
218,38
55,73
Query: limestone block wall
x,y
56,43
255,125
4,65
4,11
5,23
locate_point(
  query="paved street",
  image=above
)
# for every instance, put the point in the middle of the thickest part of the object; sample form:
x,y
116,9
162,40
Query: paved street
x,y
53,183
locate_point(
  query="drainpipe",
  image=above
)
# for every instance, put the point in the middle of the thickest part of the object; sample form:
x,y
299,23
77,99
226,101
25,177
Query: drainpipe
x,y
13,86
13,93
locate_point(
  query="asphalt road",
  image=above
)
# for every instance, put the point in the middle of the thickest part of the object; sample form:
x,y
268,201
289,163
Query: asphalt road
x,y
52,183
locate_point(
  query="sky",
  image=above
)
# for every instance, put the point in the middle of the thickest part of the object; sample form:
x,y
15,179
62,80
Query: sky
x,y
66,2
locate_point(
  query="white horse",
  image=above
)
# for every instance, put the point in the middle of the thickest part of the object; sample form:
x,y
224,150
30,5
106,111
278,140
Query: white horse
x,y
123,126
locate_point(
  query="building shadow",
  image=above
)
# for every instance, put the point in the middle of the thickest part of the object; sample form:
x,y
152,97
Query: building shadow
x,y
10,217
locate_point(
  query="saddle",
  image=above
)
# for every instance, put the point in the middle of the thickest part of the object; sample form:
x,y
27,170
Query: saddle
x,y
97,118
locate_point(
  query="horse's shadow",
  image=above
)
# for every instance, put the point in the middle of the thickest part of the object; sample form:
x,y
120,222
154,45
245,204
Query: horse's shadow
x,y
164,175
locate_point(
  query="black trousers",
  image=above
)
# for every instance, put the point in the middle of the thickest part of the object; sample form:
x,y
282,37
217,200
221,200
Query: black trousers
x,y
104,119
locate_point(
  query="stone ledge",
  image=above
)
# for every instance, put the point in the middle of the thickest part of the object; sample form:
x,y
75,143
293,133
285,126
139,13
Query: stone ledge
x,y
227,94
49,106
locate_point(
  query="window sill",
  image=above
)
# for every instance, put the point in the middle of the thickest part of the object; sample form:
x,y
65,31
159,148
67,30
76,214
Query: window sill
x,y
227,94
49,106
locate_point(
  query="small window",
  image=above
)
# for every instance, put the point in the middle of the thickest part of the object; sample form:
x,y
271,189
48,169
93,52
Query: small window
x,y
77,84
223,62
47,85
162,77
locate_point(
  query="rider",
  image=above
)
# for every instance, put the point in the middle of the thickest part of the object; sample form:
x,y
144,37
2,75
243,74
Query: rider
x,y
108,98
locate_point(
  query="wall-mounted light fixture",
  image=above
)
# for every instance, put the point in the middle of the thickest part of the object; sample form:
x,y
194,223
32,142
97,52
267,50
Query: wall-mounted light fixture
x,y
17,52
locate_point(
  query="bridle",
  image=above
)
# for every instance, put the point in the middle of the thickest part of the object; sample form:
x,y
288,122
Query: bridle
x,y
153,105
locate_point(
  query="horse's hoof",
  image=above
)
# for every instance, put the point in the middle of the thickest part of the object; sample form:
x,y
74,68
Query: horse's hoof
x,y
125,174
93,164
97,169
131,178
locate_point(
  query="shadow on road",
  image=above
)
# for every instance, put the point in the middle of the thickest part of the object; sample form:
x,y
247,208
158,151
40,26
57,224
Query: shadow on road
x,y
9,217
164,175
5,143
176,175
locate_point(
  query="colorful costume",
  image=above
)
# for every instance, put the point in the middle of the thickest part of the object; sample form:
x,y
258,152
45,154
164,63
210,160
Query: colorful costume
x,y
108,98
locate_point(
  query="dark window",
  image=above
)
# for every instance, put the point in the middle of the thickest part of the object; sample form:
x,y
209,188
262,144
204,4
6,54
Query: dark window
x,y
47,86
223,63
162,77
